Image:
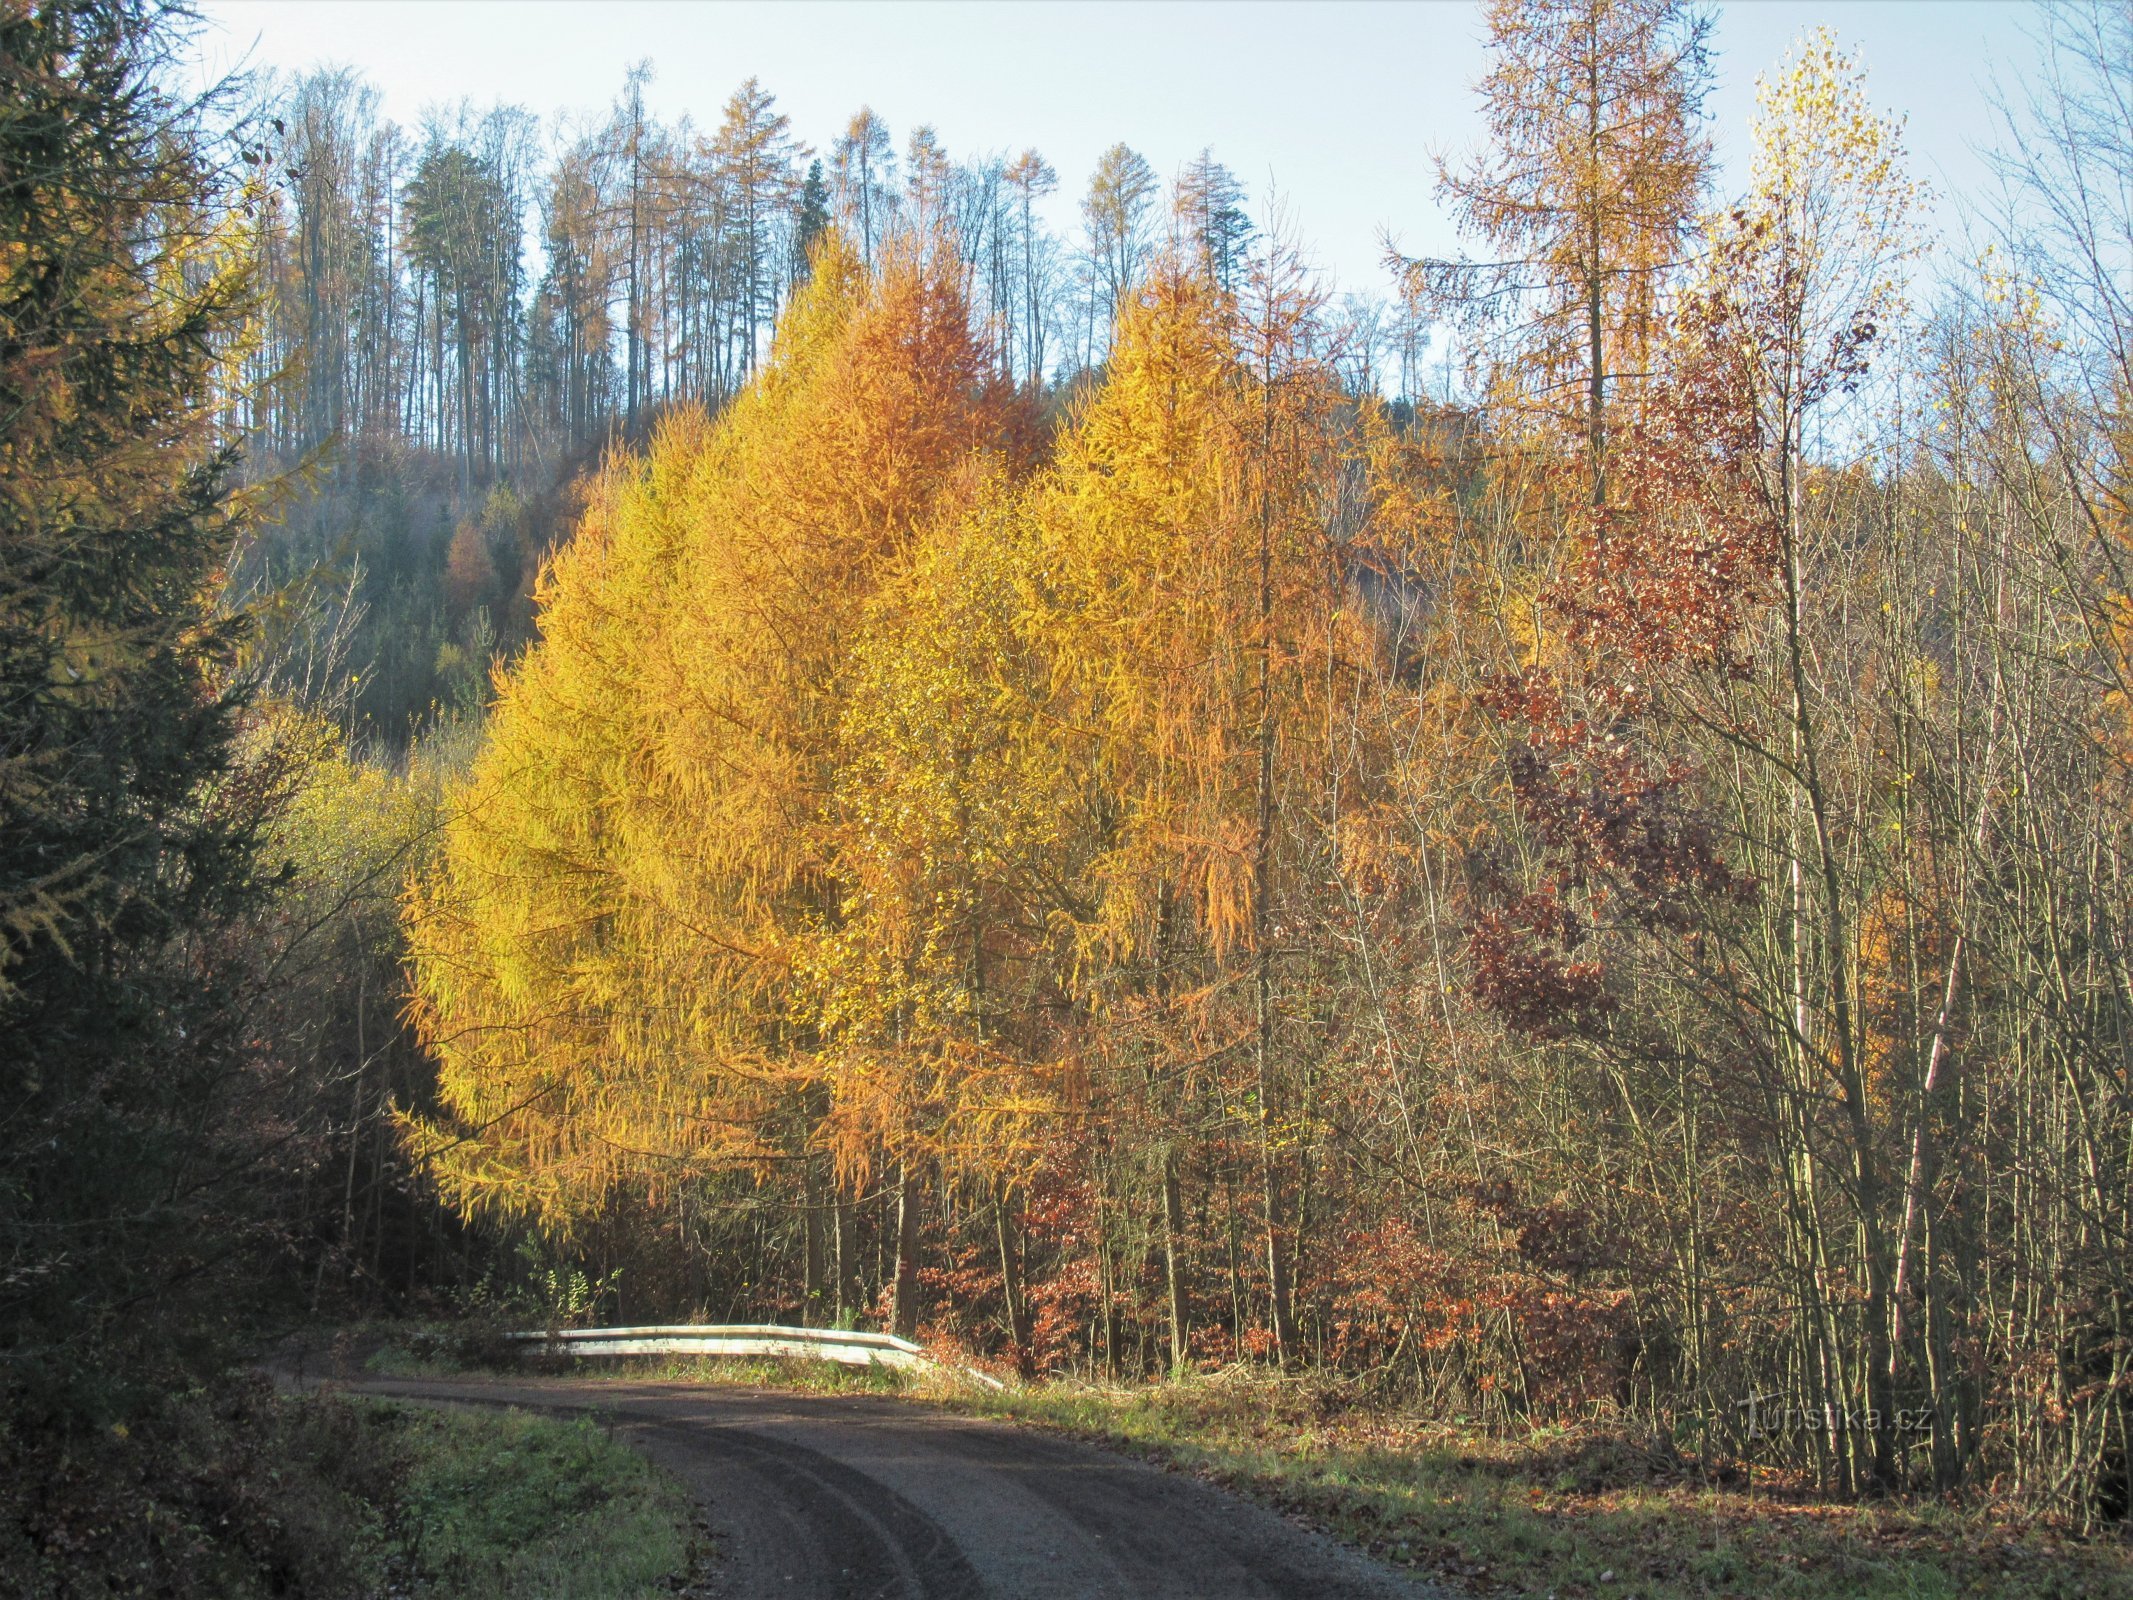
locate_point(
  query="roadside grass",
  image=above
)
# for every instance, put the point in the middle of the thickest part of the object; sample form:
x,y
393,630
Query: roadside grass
x,y
501,1504
766,1372
1574,1514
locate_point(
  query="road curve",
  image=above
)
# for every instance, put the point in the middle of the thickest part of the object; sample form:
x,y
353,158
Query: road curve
x,y
833,1497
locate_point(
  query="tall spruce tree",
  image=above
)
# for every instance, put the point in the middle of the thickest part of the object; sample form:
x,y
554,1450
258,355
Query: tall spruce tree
x,y
123,841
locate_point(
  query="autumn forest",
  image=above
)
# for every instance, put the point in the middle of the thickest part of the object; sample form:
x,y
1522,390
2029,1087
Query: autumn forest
x,y
808,749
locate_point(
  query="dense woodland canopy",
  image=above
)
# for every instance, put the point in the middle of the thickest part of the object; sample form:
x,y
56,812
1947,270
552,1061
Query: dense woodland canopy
x,y
1601,894
850,760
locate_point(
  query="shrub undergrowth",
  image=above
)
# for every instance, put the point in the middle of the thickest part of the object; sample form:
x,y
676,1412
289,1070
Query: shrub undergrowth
x,y
237,1493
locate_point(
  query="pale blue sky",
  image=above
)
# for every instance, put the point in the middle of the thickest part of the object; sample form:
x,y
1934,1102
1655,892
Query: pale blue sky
x,y
1338,105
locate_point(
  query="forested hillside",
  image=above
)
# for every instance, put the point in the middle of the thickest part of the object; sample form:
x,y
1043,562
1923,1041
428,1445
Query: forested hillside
x,y
1601,895
625,720
463,316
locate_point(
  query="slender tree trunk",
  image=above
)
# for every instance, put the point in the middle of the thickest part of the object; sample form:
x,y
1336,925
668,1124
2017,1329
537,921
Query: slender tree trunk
x,y
1595,295
847,1260
1279,1291
1017,1305
1174,1262
1937,1054
812,1294
905,1325
1834,939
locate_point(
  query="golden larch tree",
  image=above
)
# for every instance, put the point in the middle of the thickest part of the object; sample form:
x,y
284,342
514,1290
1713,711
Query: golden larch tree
x,y
607,957
1595,170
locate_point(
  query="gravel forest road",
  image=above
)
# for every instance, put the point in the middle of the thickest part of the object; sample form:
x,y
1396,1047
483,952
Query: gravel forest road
x,y
833,1497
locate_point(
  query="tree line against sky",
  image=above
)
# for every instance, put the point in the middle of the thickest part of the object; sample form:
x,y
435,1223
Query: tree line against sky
x,y
461,318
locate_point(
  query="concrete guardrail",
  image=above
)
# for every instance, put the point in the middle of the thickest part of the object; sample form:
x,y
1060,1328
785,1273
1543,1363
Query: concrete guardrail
x,y
849,1348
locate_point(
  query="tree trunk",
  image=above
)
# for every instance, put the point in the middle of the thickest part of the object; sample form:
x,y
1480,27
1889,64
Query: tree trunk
x,y
1174,1262
1018,1329
812,1296
1262,888
847,1260
1595,306
905,1324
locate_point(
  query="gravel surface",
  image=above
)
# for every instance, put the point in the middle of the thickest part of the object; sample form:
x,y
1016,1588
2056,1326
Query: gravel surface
x,y
864,1498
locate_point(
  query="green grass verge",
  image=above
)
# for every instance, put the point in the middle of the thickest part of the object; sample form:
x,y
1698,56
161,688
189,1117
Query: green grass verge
x,y
504,1504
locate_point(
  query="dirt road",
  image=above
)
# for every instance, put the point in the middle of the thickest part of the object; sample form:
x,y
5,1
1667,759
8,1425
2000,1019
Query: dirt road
x,y
858,1498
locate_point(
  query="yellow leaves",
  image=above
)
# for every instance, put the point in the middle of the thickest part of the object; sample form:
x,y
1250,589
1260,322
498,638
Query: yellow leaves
x,y
1828,176
856,772
637,865
2115,711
